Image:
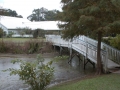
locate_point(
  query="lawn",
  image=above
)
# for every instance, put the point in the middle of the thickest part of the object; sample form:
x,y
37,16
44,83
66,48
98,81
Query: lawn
x,y
20,39
104,82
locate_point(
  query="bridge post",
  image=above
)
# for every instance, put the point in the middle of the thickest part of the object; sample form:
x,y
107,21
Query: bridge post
x,y
70,58
106,62
84,62
54,47
60,50
86,50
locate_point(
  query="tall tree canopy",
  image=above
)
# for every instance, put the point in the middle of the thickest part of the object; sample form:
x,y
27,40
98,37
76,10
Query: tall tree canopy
x,y
88,17
9,12
43,14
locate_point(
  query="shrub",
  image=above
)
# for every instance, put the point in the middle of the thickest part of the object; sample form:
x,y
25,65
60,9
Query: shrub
x,y
35,33
47,47
14,48
1,32
3,47
115,42
33,46
107,40
36,74
10,34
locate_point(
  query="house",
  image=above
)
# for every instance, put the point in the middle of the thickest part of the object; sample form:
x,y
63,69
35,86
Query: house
x,y
4,28
11,24
49,27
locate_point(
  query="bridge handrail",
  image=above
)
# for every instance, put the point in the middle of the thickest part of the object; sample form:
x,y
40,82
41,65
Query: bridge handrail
x,y
110,52
113,53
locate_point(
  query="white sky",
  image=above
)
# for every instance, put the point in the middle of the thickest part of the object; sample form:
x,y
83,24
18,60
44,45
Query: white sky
x,y
25,7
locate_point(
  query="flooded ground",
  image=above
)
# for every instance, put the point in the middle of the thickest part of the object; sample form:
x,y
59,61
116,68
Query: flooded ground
x,y
63,71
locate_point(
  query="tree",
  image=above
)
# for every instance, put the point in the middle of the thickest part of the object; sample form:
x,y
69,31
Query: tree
x,y
1,11
9,12
38,14
35,33
28,30
43,14
10,34
1,32
20,16
88,17
25,30
51,15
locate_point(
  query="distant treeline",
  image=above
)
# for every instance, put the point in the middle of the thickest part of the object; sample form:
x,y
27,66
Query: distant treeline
x,y
9,12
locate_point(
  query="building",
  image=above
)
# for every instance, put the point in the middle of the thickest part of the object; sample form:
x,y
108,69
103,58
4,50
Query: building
x,y
11,24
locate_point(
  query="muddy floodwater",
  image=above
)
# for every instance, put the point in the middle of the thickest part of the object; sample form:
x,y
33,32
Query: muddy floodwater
x,y
63,70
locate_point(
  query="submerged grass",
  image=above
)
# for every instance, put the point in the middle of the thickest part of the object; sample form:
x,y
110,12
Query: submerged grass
x,y
104,82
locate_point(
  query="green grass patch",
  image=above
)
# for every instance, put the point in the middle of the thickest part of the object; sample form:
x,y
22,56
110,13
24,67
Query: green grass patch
x,y
105,82
20,39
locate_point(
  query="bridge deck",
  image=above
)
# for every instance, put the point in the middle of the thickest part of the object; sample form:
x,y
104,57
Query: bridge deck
x,y
88,47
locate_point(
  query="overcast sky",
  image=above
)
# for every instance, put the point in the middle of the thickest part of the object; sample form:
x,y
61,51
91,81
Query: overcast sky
x,y
25,7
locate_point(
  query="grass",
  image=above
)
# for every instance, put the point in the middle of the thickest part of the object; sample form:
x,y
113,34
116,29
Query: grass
x,y
104,82
23,45
20,39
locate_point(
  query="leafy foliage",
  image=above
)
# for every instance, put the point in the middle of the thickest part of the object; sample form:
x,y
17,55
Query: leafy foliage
x,y
3,47
25,30
34,46
1,32
85,17
9,12
38,33
43,14
36,74
31,46
115,42
35,33
107,40
10,34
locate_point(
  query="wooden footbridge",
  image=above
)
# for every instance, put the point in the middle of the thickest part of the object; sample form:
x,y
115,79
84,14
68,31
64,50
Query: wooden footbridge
x,y
88,48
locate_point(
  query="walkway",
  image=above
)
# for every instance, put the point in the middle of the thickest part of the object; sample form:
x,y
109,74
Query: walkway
x,y
88,48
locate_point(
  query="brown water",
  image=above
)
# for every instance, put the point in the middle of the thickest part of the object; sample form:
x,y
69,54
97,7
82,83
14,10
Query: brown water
x,y
63,71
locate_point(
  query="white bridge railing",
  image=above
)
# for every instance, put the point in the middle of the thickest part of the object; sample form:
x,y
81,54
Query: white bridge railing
x,y
87,47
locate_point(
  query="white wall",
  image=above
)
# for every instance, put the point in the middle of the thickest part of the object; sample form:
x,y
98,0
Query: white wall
x,y
4,28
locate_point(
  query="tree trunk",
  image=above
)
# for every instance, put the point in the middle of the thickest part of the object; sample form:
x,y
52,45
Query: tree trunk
x,y
99,62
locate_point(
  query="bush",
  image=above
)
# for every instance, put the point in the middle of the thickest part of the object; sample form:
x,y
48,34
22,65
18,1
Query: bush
x,y
3,47
33,46
1,32
47,47
35,33
107,40
14,48
28,47
36,74
115,42
10,47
